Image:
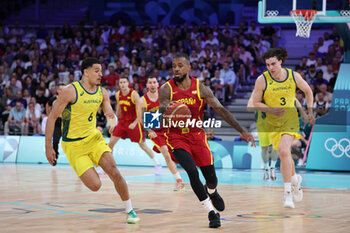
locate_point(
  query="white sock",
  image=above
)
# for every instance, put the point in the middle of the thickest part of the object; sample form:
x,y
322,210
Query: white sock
x,y
128,206
208,205
177,176
266,166
287,187
294,179
300,162
273,163
156,162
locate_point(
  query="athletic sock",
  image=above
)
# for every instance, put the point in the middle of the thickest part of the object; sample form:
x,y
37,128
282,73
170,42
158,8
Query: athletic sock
x,y
273,163
287,187
208,205
177,176
128,206
294,179
156,162
266,166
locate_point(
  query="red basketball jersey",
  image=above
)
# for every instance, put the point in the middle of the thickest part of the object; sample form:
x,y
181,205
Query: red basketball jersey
x,y
150,106
127,106
191,97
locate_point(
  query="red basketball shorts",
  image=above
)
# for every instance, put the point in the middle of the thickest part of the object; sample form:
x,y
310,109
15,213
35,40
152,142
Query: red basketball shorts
x,y
160,141
122,130
194,143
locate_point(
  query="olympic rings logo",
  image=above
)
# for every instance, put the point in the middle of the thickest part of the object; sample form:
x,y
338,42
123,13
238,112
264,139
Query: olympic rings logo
x,y
334,147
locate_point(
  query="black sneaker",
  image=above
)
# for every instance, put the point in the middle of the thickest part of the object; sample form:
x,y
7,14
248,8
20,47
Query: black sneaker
x,y
55,161
216,199
214,219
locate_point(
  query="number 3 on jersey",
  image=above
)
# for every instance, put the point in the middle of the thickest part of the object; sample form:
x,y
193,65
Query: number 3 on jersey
x,y
283,101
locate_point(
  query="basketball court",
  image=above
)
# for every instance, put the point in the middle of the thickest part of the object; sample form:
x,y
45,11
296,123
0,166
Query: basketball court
x,y
41,198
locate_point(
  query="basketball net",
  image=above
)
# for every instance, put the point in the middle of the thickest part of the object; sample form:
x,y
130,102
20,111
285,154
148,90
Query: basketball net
x,y
303,20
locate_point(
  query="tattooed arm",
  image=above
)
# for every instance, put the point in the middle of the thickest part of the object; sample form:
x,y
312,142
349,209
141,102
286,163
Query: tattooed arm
x,y
164,98
207,94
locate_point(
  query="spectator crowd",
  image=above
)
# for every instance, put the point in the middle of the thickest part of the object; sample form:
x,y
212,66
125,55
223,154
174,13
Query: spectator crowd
x,y
34,62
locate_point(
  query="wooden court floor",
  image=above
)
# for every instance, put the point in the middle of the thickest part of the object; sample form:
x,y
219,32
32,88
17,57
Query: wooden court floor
x,y
40,198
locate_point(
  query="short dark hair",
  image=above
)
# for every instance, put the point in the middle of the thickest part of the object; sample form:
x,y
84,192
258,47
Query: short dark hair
x,y
319,72
88,62
280,53
124,77
150,77
182,55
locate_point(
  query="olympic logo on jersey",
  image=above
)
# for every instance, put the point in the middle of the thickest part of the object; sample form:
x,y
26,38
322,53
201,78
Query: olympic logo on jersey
x,y
338,149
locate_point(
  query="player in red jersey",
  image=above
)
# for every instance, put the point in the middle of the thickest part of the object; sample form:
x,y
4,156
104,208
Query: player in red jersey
x,y
129,117
190,146
150,102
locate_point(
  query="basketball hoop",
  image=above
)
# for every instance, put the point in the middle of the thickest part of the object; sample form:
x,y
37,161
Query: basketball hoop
x,y
303,20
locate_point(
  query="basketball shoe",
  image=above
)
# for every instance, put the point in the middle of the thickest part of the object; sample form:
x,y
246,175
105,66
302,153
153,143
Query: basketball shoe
x,y
288,200
216,199
273,173
179,185
214,219
266,174
158,168
132,217
55,161
297,191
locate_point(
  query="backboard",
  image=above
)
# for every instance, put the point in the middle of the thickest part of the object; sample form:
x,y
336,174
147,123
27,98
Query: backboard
x,y
328,11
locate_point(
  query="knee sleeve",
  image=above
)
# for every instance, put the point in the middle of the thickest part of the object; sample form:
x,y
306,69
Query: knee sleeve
x,y
186,161
210,176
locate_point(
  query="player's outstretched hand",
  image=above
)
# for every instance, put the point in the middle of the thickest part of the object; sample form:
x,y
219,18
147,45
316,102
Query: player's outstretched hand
x,y
111,129
50,155
109,114
311,119
132,125
152,134
245,136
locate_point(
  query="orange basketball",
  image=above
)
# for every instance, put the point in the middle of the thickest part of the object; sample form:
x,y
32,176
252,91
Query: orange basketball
x,y
177,111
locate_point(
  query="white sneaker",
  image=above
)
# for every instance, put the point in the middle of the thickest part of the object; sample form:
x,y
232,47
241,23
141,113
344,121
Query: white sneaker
x,y
288,200
266,174
273,173
158,169
300,163
297,191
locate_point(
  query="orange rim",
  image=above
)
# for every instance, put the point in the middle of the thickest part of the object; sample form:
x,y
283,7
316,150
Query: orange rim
x,y
308,14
